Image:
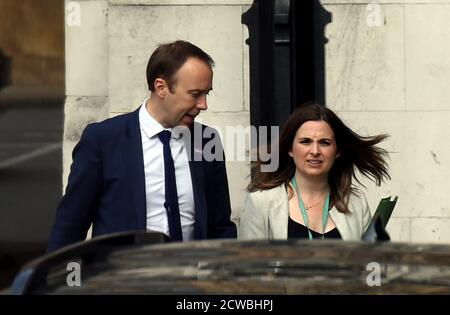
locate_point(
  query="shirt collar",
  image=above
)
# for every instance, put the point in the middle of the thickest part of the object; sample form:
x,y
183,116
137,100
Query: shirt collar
x,y
149,125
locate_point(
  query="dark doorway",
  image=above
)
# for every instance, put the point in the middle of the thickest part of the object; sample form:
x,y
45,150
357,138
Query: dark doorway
x,y
287,57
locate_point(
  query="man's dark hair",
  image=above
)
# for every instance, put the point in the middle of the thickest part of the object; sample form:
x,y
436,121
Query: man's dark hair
x,y
168,58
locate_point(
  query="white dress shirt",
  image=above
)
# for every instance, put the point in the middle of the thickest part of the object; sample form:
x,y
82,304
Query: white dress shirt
x,y
152,148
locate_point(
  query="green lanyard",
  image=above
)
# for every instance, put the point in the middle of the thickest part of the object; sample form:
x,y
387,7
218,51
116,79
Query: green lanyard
x,y
305,215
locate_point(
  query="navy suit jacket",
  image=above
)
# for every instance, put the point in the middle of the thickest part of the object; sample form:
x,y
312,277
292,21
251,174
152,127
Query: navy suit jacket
x,y
106,187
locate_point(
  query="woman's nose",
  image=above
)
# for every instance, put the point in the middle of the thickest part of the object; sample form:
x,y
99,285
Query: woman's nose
x,y
315,149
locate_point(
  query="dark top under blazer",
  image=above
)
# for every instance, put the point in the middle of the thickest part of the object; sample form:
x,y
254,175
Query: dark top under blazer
x,y
106,186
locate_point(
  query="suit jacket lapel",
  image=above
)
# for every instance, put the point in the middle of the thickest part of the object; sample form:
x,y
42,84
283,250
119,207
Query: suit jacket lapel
x,y
278,214
134,163
195,148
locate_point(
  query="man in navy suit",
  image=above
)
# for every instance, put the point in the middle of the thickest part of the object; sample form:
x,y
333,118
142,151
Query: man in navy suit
x,y
117,180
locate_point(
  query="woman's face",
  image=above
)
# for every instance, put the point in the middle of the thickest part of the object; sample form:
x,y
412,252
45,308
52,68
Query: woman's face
x,y
314,149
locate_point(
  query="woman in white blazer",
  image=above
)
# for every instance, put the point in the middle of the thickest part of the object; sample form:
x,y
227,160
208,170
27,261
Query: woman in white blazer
x,y
310,194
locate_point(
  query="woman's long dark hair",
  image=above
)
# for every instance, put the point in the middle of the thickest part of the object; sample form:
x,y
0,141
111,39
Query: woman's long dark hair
x,y
356,152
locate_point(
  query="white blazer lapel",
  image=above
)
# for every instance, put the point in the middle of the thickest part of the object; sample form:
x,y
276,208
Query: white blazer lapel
x,y
342,224
279,215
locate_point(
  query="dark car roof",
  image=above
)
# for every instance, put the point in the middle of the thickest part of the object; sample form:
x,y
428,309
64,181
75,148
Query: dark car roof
x,y
244,267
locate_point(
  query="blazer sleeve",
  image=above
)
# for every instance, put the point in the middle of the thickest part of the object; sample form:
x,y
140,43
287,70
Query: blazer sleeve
x,y
366,215
76,210
221,225
253,223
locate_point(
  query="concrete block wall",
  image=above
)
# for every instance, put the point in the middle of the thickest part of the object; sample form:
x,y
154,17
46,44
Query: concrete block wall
x,y
107,55
388,71
86,51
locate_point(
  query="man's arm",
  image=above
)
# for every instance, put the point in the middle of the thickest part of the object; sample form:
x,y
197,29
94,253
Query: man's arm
x,y
77,208
222,225
216,187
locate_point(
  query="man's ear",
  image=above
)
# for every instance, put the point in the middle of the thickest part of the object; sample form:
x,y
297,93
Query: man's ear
x,y
161,87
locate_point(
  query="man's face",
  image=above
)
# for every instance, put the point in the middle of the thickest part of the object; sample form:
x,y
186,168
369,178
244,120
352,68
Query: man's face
x,y
193,81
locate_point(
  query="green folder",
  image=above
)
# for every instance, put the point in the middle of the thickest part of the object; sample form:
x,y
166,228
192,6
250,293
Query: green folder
x,y
385,209
376,230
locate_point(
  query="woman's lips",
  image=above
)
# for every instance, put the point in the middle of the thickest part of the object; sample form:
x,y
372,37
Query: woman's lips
x,y
314,162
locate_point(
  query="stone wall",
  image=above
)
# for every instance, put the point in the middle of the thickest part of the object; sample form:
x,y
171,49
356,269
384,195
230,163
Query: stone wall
x,y
388,71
